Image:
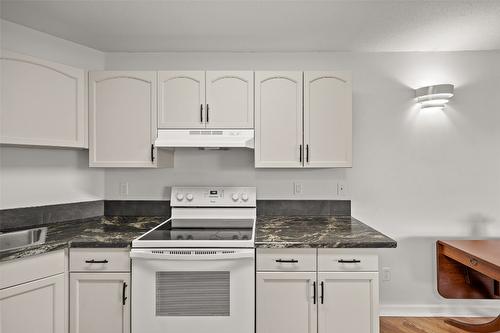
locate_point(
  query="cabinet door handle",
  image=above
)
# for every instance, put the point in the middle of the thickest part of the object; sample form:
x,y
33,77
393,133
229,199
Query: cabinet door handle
x,y
201,113
152,153
300,153
287,261
322,297
307,153
314,292
208,108
353,261
93,261
124,298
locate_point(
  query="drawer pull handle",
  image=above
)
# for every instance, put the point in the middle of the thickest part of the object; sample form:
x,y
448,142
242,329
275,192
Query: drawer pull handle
x,y
353,261
473,262
124,298
322,297
314,292
287,261
105,261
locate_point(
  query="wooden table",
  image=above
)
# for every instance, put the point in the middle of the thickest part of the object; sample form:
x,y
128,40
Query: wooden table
x,y
469,269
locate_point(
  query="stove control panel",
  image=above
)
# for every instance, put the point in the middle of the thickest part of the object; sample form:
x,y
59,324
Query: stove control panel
x,y
213,197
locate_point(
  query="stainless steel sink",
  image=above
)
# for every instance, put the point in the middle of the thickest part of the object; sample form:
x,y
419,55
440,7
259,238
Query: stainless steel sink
x,y
20,239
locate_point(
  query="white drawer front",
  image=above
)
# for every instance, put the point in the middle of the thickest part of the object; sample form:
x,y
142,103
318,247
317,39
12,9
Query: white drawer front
x,y
94,260
332,260
288,260
31,268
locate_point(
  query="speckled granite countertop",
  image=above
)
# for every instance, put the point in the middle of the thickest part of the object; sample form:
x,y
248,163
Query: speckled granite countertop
x,y
271,232
317,232
105,231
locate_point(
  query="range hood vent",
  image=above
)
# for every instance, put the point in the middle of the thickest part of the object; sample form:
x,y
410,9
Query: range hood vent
x,y
205,138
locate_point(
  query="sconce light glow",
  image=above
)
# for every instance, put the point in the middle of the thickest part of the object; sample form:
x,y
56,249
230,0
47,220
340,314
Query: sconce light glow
x,y
434,97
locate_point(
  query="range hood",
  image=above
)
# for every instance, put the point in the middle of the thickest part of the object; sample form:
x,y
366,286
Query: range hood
x,y
205,138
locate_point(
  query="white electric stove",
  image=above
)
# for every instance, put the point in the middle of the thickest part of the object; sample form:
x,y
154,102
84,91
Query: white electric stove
x,y
195,272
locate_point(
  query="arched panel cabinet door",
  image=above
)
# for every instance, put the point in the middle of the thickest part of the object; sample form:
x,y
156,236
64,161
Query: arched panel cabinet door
x,y
229,99
181,99
278,120
328,119
122,114
42,104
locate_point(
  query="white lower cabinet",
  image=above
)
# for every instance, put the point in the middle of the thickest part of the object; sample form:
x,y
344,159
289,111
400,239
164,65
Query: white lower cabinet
x,y
348,302
99,302
286,303
340,296
37,306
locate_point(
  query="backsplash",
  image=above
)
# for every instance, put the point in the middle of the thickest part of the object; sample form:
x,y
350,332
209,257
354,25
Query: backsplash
x,y
32,216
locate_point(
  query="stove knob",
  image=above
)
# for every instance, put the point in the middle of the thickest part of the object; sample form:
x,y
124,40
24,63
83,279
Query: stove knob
x,y
179,196
189,237
235,237
180,237
189,197
244,197
235,197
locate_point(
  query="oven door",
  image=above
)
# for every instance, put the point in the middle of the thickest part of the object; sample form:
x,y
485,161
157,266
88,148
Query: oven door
x,y
193,290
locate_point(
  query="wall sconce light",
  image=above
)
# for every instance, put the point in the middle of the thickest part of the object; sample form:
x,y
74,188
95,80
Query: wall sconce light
x,y
434,97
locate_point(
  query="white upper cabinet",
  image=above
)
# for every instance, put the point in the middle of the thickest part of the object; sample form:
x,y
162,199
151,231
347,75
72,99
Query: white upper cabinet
x,y
198,99
328,119
229,100
43,103
278,119
181,99
122,118
323,140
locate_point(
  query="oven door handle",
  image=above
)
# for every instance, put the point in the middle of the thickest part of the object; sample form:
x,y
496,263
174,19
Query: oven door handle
x,y
186,257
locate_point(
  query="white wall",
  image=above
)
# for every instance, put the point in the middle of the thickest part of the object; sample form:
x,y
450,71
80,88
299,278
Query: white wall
x,y
42,176
417,176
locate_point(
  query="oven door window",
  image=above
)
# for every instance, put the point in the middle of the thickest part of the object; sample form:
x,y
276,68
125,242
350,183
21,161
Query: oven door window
x,y
192,293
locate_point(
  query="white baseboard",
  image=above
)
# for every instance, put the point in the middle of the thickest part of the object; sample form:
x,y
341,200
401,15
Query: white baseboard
x,y
445,310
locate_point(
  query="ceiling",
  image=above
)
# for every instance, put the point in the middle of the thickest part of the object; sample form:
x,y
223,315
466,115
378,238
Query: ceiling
x,y
160,26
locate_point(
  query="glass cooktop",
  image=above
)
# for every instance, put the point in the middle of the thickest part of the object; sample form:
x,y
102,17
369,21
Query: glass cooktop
x,y
167,232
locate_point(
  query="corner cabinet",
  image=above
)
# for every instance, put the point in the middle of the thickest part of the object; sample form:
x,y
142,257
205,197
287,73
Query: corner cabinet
x,y
33,294
37,306
212,99
43,103
303,119
122,119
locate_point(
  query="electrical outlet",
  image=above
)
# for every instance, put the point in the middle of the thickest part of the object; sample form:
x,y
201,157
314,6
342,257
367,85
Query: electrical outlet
x,y
386,274
124,188
341,189
297,188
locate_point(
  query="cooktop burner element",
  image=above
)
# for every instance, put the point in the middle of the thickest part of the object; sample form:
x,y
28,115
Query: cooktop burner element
x,y
166,232
209,217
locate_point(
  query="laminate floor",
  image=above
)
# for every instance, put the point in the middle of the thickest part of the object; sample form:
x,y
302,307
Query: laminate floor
x,y
422,324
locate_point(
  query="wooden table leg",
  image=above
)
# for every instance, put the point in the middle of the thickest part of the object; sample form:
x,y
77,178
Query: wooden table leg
x,y
490,327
